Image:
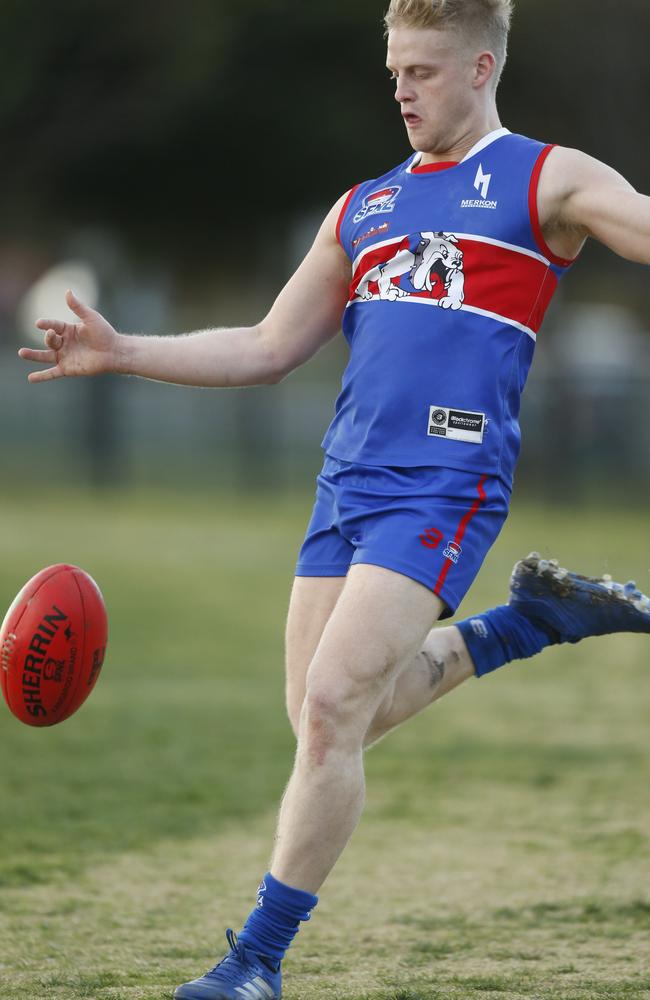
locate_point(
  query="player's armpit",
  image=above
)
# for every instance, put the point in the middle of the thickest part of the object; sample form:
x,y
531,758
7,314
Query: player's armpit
x,y
307,312
596,199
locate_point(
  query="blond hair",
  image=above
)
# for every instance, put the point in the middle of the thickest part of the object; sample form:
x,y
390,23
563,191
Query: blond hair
x,y
486,22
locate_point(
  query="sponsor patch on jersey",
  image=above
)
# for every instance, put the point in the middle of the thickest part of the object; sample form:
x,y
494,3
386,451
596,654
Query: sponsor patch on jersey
x,y
375,231
482,184
477,203
457,425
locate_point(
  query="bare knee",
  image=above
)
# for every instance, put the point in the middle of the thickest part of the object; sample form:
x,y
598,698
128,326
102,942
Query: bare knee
x,y
332,719
339,697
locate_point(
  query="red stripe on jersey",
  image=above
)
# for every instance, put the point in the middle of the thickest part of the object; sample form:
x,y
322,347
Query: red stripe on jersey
x,y
507,283
534,211
460,533
499,280
343,211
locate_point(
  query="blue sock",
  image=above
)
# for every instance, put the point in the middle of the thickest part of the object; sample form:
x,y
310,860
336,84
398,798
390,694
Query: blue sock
x,y
274,922
501,635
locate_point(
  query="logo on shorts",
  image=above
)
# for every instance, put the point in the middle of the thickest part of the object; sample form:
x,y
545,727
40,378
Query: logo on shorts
x,y
431,538
452,551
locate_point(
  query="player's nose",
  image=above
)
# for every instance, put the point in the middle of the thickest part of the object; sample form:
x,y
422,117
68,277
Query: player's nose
x,y
403,92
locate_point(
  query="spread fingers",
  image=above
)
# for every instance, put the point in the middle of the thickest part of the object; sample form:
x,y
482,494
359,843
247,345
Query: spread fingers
x,y
42,357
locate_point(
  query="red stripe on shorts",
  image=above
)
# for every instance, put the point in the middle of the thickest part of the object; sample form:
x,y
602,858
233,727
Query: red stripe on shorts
x,y
460,533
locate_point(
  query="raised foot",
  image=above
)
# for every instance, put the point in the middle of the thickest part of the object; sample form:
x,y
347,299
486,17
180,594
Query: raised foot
x,y
573,606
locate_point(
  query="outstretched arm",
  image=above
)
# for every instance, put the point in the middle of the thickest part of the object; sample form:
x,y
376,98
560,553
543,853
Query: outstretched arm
x,y
580,197
306,314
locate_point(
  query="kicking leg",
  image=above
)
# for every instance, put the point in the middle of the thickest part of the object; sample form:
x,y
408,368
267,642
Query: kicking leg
x,y
547,605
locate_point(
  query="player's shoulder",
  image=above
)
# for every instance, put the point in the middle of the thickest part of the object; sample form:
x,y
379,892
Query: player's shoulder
x,y
568,170
567,158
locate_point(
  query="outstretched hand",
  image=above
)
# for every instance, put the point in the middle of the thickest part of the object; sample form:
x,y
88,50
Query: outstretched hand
x,y
89,347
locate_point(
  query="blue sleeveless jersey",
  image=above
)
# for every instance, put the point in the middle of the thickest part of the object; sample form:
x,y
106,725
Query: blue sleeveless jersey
x,y
451,278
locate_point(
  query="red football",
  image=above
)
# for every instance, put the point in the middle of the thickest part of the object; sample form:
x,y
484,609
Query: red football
x,y
52,645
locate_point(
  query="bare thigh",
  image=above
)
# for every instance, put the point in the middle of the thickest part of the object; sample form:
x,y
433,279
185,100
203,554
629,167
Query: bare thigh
x,y
313,599
377,627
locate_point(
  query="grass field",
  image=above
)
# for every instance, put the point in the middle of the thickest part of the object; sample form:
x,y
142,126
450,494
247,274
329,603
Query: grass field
x,y
504,850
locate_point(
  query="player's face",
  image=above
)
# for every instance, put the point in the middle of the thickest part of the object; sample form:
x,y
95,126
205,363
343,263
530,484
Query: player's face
x,y
433,85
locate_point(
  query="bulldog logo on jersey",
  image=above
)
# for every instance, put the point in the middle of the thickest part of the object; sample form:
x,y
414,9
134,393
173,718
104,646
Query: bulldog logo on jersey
x,y
430,262
377,203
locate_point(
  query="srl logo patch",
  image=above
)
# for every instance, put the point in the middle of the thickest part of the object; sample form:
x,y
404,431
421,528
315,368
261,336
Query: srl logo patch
x,y
378,202
453,551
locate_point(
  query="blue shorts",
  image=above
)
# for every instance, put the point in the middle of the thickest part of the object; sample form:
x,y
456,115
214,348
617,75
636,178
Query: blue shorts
x,y
432,524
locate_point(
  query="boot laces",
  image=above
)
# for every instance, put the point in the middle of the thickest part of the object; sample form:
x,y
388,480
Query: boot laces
x,y
236,951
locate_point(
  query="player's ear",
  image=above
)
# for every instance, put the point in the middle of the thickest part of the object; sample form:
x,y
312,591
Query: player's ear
x,y
484,68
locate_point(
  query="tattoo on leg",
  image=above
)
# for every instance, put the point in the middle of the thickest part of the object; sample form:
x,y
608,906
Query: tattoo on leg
x,y
436,668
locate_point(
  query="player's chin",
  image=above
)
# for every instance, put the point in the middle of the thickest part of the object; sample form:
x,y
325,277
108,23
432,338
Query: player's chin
x,y
415,140
417,136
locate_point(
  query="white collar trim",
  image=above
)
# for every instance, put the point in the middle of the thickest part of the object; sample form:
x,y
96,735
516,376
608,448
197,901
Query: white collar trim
x,y
487,140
